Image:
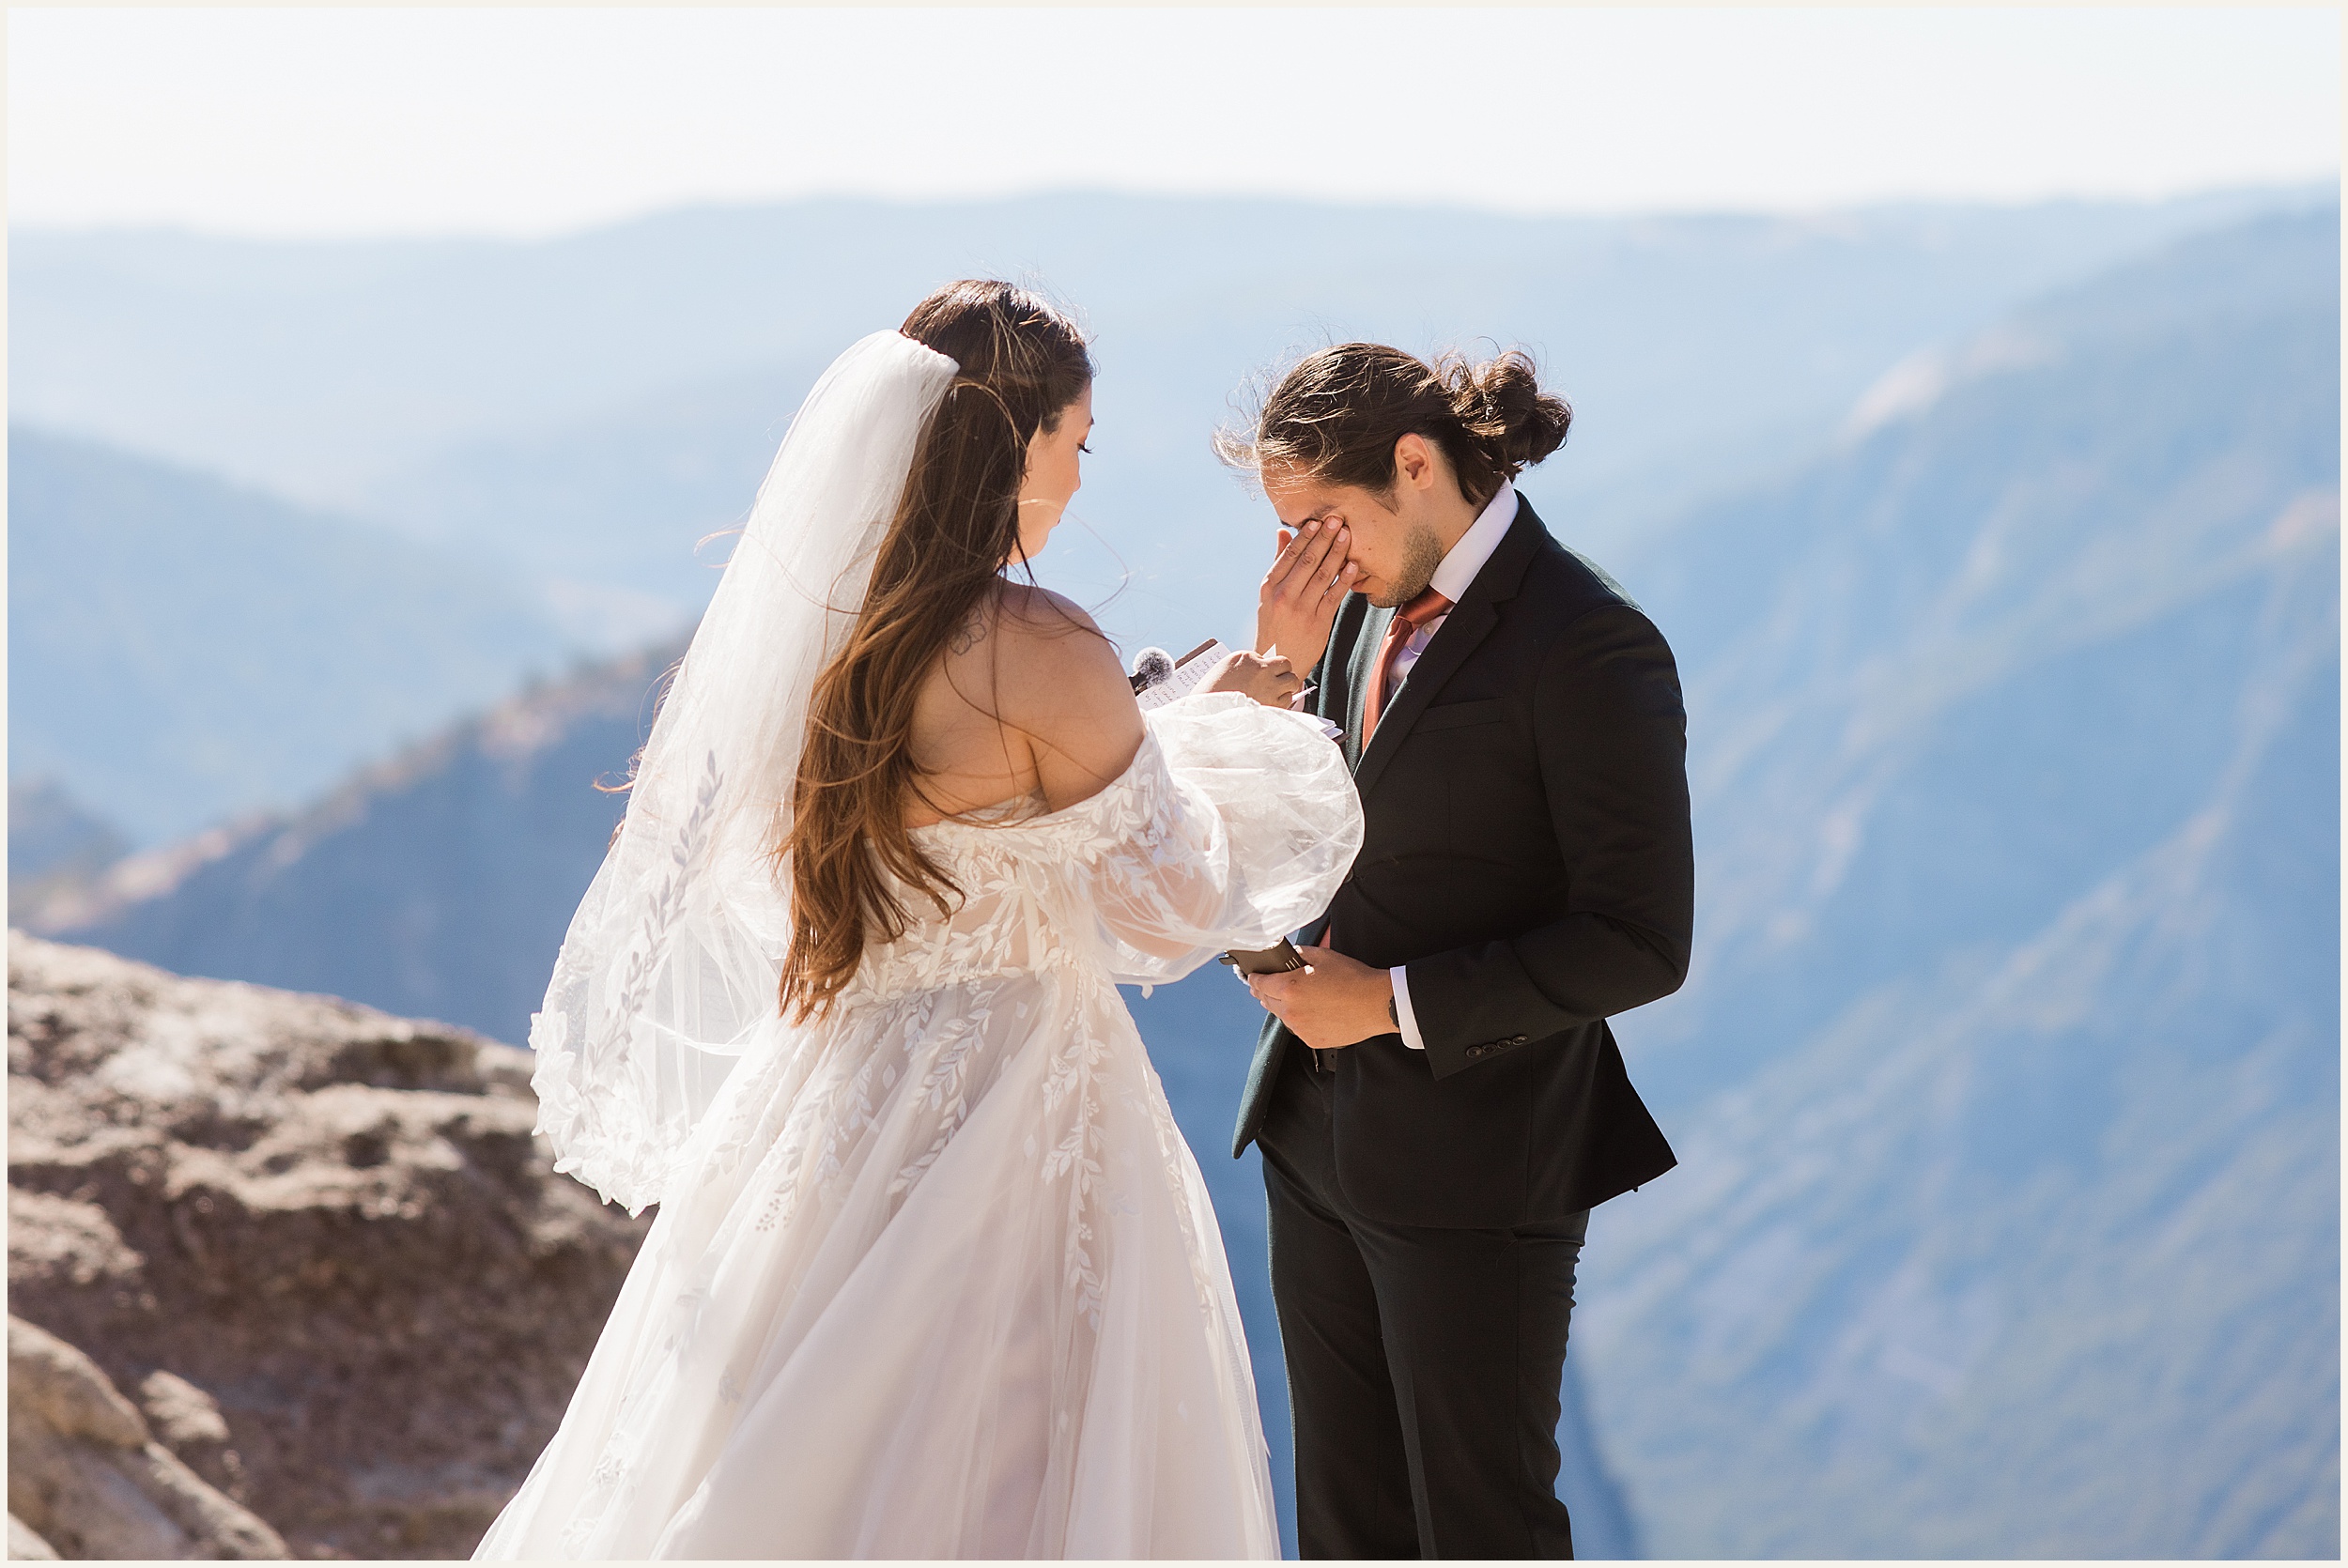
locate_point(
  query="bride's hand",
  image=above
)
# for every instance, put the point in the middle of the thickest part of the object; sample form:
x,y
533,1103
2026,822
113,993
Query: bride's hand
x,y
1308,580
1268,678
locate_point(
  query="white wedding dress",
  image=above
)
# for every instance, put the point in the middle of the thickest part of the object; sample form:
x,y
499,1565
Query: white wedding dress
x,y
936,1276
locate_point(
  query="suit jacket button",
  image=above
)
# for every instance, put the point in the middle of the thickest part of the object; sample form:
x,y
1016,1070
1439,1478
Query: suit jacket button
x,y
1520,1040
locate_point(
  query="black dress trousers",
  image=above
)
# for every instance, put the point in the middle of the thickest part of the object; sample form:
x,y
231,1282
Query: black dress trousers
x,y
1424,1364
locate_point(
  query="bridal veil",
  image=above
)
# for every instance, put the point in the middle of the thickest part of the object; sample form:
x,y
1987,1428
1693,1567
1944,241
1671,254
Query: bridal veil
x,y
673,957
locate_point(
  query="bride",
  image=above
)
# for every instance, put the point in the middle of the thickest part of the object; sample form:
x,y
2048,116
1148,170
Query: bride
x,y
934,1273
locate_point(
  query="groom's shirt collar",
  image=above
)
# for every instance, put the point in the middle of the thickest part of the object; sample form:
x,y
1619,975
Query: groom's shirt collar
x,y
1475,547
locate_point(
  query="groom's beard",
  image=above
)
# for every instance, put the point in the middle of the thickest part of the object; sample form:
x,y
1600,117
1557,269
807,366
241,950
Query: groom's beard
x,y
1422,552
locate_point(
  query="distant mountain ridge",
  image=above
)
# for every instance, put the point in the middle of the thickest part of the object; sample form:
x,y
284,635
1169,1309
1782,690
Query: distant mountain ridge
x,y
590,407
445,875
54,845
181,649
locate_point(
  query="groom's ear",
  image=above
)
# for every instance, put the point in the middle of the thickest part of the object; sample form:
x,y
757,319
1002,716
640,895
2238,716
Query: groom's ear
x,y
1414,464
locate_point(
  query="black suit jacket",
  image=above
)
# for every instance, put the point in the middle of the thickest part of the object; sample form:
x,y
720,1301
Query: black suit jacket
x,y
1528,856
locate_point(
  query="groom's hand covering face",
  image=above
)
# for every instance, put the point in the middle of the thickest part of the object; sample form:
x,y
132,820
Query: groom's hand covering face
x,y
1392,541
1298,599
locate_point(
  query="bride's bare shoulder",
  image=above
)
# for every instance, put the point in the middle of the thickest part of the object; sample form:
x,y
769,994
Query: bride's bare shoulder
x,y
1031,609
1048,642
1061,680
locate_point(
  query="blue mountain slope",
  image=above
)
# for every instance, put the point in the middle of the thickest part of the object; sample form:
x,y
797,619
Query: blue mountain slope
x,y
439,882
54,846
2006,1088
180,648
1984,656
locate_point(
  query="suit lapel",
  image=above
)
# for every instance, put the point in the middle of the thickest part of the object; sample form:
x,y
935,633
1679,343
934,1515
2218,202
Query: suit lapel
x,y
1469,624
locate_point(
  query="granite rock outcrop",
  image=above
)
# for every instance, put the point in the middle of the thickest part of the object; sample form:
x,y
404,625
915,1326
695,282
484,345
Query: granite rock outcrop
x,y
316,1260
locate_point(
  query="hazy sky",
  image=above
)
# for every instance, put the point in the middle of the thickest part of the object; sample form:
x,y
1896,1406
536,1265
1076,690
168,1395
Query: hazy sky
x,y
530,121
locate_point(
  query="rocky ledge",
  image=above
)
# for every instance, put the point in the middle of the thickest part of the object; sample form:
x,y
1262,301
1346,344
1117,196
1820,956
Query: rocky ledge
x,y
294,1277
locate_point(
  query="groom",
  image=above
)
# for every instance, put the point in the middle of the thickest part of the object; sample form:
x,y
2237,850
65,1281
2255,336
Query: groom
x,y
1438,1097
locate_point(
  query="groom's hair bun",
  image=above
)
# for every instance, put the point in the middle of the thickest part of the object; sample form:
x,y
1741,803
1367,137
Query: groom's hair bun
x,y
1501,407
1338,413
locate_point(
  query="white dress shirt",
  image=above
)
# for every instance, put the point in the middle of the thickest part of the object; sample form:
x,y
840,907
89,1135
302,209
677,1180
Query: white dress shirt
x,y
1451,580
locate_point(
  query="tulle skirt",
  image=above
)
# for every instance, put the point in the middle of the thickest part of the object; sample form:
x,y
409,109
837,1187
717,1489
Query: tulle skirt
x,y
942,1281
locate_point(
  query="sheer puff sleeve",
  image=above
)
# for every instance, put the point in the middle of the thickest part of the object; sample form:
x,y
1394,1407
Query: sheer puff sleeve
x,y
1234,827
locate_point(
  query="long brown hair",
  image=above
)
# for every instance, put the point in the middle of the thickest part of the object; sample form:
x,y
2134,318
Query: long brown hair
x,y
1336,416
1021,364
